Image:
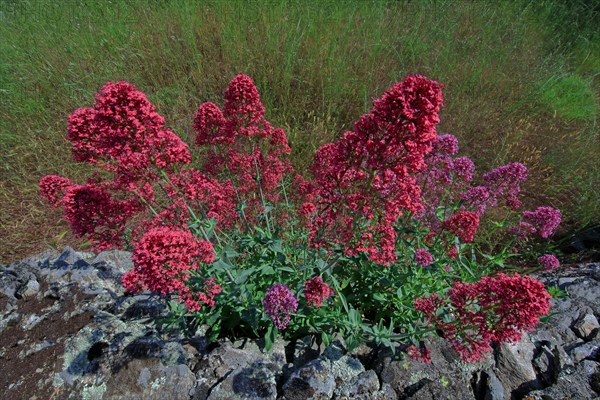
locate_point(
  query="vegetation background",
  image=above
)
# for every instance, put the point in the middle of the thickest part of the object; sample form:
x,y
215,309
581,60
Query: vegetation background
x,y
521,83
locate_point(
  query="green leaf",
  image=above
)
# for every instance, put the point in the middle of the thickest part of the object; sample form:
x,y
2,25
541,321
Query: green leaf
x,y
379,297
243,276
270,337
276,246
222,265
287,269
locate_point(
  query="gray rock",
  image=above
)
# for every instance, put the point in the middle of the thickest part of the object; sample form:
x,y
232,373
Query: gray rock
x,y
494,389
148,379
575,384
30,289
362,385
249,362
588,350
69,258
514,367
257,381
586,327
315,381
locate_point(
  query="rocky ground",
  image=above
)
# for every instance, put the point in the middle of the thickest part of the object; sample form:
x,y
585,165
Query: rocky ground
x,y
68,331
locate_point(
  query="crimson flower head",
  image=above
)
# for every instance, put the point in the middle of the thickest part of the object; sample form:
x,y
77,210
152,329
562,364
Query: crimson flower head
x,y
123,133
164,257
316,291
279,303
52,187
367,179
419,353
493,310
464,225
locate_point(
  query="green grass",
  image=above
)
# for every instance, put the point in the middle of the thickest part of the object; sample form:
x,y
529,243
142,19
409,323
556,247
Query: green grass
x,y
520,79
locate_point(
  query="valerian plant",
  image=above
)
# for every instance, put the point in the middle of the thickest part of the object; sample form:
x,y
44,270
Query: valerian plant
x,y
376,244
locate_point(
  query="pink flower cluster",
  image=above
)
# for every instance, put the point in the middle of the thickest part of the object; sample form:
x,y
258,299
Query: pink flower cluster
x,y
423,257
366,179
549,262
544,221
493,310
505,182
279,303
316,292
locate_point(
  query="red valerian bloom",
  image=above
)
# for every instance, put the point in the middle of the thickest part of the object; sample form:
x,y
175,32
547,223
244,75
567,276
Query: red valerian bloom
x,y
493,310
163,259
92,211
52,188
423,257
544,220
123,133
195,300
316,292
366,180
419,353
549,262
279,303
464,225
244,147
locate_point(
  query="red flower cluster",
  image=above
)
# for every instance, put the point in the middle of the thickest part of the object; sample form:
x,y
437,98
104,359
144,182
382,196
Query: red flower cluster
x,y
366,179
215,200
124,133
52,188
197,299
493,310
92,211
244,147
316,292
163,259
419,353
464,225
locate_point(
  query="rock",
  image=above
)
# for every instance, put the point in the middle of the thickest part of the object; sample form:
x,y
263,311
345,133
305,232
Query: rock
x,y
245,363
588,350
148,379
361,386
514,367
314,380
257,381
494,389
586,327
69,258
30,289
575,384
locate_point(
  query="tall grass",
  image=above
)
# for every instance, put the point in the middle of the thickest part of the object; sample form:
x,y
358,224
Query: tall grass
x,y
520,82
